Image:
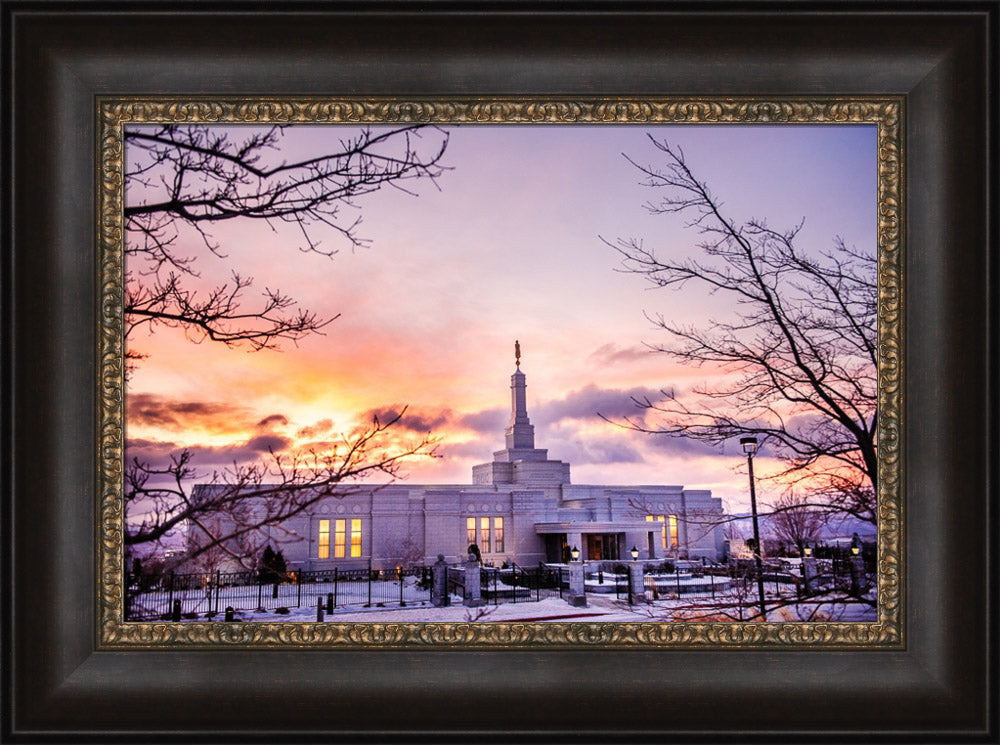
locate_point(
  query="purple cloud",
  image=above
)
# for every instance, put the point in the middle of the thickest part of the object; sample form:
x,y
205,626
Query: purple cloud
x,y
592,402
152,410
420,420
321,427
610,353
269,421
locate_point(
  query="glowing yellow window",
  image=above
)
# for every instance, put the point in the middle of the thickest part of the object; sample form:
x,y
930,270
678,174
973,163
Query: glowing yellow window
x,y
355,537
324,539
673,530
663,532
470,530
484,533
339,539
498,534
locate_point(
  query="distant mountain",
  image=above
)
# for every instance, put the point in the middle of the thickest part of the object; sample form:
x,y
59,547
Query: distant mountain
x,y
838,528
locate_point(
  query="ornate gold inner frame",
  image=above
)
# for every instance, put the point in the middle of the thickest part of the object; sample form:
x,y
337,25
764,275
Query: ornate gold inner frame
x,y
113,114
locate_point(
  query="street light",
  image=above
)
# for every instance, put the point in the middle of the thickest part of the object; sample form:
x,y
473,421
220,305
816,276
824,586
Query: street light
x,y
750,448
574,553
635,553
808,551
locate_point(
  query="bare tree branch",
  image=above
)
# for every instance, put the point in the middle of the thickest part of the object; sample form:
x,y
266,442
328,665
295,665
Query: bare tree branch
x,y
180,181
799,354
183,179
231,509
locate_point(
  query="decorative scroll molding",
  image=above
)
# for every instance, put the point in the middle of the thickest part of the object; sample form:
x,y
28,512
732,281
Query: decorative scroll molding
x,y
113,114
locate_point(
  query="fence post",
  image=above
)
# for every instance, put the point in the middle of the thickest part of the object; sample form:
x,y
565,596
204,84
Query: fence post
x,y
329,602
335,587
260,585
439,582
298,582
218,583
170,601
471,589
859,580
319,609
401,603
176,613
809,572
577,585
369,584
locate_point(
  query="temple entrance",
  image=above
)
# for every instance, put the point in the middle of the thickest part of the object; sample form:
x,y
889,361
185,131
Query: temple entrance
x,y
556,548
603,547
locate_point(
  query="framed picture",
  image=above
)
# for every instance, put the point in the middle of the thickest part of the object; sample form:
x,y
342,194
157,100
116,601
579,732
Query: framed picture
x,y
280,521
653,592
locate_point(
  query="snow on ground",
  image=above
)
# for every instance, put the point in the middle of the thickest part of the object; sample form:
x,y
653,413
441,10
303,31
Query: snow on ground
x,y
599,609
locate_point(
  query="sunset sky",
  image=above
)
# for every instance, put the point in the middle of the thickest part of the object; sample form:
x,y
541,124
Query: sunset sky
x,y
507,245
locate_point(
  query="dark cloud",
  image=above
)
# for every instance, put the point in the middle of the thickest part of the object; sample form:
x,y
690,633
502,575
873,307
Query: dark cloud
x,y
150,451
420,420
321,427
269,421
597,451
592,402
425,419
152,410
157,454
269,442
679,445
487,421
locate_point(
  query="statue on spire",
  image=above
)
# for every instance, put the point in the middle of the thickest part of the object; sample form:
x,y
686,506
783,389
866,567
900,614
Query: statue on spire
x,y
517,353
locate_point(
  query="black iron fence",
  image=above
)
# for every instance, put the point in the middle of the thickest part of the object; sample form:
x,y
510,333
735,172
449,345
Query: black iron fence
x,y
517,584
175,597
509,584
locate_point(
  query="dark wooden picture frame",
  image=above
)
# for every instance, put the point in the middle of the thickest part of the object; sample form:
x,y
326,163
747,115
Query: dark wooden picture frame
x,y
58,686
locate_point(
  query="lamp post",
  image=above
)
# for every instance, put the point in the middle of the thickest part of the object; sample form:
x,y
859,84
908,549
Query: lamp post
x,y
635,553
574,553
750,447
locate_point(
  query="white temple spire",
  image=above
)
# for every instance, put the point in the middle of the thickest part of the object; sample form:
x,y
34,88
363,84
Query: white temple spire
x,y
520,433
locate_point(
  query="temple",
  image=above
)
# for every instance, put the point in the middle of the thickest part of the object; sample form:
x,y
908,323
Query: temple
x,y
520,507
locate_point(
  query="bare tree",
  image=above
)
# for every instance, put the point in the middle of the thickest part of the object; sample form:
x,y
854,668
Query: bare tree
x,y
228,514
794,522
181,180
799,352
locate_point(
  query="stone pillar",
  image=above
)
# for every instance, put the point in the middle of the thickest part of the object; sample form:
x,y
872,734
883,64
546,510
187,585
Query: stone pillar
x,y
636,582
473,593
809,573
577,591
576,539
439,583
859,580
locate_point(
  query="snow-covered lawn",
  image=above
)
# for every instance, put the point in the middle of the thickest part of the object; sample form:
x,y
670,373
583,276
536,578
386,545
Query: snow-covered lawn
x,y
600,608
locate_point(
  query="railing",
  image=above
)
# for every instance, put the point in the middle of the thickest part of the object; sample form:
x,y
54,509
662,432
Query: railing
x,y
517,584
175,597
